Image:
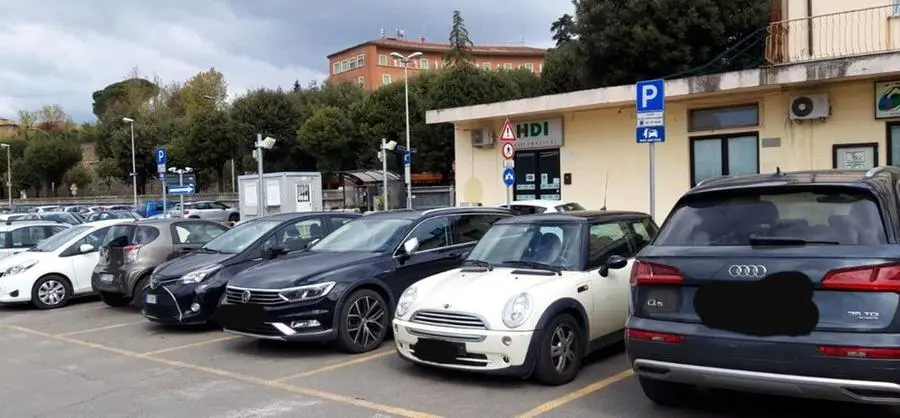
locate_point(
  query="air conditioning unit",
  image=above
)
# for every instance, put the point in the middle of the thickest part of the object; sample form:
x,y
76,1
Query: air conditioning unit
x,y
810,106
483,138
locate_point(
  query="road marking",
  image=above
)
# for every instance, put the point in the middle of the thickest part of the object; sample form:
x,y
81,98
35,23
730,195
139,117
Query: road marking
x,y
562,400
192,345
388,409
338,365
89,330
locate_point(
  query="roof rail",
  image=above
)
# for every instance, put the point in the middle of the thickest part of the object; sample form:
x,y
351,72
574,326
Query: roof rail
x,y
874,171
709,179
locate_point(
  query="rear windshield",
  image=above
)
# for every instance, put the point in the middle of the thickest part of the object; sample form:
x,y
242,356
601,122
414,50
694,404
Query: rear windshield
x,y
835,215
124,235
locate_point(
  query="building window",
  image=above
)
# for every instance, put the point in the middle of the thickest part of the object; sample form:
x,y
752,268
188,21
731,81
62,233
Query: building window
x,y
345,65
893,141
352,62
396,63
896,4
724,155
529,66
386,79
361,81
361,61
507,66
337,67
724,118
486,66
382,60
423,64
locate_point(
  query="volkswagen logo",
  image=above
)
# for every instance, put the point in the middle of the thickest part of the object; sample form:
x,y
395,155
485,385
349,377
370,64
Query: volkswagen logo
x,y
245,297
745,271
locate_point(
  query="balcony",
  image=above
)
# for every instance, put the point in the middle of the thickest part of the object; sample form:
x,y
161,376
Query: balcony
x,y
867,31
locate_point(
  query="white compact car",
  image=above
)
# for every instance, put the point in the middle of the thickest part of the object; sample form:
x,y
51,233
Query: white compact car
x,y
56,269
535,295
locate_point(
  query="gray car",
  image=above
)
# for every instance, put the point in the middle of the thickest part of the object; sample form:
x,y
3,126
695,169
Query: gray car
x,y
784,283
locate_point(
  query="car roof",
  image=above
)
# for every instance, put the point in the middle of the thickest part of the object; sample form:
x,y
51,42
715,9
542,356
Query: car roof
x,y
414,214
168,221
832,177
7,225
287,216
540,203
107,222
575,216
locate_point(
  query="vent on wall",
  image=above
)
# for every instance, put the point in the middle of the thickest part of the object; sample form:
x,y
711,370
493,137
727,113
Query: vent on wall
x,y
482,138
810,106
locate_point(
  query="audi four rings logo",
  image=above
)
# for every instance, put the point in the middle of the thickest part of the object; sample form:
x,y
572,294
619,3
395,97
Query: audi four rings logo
x,y
747,271
245,297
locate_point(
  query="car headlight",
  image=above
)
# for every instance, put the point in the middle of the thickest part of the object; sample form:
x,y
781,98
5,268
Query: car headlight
x,y
406,301
309,292
517,310
18,268
200,275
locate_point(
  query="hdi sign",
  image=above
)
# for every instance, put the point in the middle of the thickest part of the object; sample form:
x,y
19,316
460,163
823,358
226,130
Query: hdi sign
x,y
545,133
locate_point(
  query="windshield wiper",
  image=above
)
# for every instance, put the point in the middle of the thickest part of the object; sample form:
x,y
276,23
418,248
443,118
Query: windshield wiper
x,y
533,264
480,263
758,240
209,251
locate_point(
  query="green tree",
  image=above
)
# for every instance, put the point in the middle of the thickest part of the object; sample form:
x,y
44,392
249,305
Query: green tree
x,y
460,44
270,113
49,158
327,135
107,170
204,91
563,29
122,98
78,175
561,70
208,143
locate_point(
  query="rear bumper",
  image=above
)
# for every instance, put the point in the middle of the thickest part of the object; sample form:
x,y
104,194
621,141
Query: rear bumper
x,y
860,391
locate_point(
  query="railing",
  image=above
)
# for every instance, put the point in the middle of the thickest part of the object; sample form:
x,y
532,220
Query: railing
x,y
836,35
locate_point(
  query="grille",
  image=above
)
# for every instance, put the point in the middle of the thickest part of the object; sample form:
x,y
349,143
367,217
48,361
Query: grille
x,y
164,308
257,297
448,319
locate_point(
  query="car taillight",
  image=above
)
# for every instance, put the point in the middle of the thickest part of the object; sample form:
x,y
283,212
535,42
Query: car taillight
x,y
878,278
859,352
131,253
660,337
644,273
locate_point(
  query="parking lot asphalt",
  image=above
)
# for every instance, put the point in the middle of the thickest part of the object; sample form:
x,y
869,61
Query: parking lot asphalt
x,y
91,360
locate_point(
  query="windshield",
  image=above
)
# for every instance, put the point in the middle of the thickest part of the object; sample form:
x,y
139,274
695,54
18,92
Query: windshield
x,y
369,235
568,207
240,237
557,245
56,241
822,215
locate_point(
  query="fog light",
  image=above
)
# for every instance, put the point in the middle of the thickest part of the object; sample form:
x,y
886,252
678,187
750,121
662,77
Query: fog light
x,y
14,294
304,324
505,359
195,307
506,341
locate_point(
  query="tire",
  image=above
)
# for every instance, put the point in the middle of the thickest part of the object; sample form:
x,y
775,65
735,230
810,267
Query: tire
x,y
363,322
51,292
234,217
561,352
667,393
115,300
137,296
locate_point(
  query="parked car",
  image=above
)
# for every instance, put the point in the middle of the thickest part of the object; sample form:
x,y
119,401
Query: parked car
x,y
19,235
187,290
344,288
152,208
62,217
533,207
112,214
117,207
81,210
45,208
132,250
535,296
208,210
782,283
55,270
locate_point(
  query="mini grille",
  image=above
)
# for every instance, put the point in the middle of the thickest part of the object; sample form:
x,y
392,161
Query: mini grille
x,y
257,297
448,319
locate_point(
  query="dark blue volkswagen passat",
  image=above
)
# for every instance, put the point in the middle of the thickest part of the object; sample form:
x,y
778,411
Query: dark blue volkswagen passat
x,y
186,290
344,288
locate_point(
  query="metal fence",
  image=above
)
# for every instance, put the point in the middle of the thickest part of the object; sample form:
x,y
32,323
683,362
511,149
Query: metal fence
x,y
835,35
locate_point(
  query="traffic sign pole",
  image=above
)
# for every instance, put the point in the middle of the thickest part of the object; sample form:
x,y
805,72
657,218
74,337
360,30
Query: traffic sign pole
x,y
508,150
161,157
650,101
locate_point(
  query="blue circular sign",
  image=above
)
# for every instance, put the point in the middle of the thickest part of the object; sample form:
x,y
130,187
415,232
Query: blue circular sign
x,y
509,177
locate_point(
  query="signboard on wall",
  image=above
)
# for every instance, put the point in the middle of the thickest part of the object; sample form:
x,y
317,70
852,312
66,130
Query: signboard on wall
x,y
887,100
538,134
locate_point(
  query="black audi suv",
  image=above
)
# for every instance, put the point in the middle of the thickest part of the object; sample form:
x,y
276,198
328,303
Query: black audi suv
x,y
343,289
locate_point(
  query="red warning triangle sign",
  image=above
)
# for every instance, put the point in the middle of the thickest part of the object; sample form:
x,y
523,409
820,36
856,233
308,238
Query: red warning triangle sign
x,y
507,133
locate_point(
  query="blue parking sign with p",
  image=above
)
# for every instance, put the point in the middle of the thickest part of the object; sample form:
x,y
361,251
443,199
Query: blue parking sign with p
x,y
160,155
651,96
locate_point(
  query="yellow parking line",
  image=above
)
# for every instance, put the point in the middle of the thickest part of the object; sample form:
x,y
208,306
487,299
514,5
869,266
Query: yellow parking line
x,y
562,400
339,365
192,345
114,326
388,409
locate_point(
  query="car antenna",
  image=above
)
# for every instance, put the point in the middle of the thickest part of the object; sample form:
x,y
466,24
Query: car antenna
x,y
605,190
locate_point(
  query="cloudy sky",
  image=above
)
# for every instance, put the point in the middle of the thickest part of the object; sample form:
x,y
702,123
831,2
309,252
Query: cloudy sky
x,y
60,51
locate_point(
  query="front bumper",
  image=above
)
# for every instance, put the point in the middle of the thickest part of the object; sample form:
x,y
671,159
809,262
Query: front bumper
x,y
17,288
306,321
181,304
485,351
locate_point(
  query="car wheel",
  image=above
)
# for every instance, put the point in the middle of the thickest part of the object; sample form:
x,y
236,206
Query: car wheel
x,y
51,292
560,352
116,300
234,217
363,322
137,296
667,393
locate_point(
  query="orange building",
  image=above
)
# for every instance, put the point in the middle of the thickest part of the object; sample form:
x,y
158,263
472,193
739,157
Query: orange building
x,y
371,65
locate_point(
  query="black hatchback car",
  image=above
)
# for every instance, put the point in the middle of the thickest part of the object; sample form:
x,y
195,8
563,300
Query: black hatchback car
x,y
186,290
785,283
344,288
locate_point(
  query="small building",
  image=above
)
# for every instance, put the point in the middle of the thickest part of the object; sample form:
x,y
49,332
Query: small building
x,y
811,108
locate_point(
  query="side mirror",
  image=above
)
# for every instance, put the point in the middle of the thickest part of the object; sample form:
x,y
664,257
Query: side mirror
x,y
410,246
614,262
273,252
313,242
86,248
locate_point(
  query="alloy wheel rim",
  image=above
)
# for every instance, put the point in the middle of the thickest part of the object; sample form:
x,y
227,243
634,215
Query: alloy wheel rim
x,y
364,321
51,292
562,348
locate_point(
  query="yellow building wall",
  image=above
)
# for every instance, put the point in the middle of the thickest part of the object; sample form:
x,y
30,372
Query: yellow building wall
x,y
838,28
601,143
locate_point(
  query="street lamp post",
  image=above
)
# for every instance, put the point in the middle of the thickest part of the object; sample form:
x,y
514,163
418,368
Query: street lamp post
x,y
407,159
8,173
133,162
260,145
180,172
382,155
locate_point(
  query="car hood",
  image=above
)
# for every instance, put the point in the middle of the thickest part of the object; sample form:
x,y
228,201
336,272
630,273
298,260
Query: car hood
x,y
190,262
307,267
20,257
484,293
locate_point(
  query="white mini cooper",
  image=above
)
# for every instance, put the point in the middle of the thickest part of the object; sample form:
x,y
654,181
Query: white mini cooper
x,y
535,295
